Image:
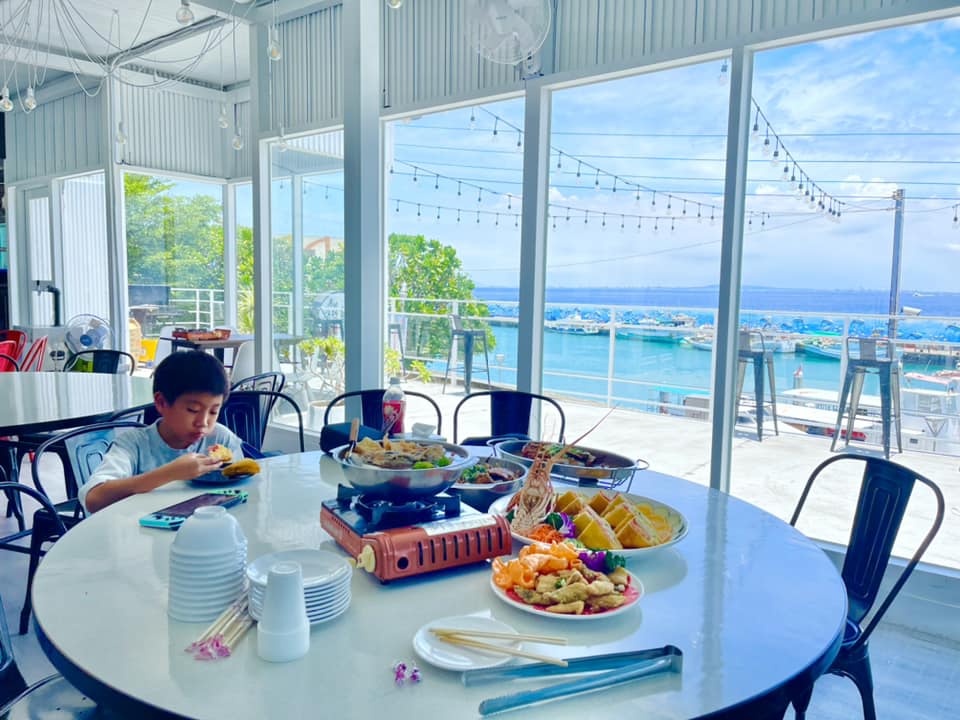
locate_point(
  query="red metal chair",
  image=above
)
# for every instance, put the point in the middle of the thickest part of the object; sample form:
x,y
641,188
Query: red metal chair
x,y
33,360
8,356
18,338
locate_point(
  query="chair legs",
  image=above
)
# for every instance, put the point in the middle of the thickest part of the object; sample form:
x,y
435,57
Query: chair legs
x,y
44,530
771,375
801,702
856,666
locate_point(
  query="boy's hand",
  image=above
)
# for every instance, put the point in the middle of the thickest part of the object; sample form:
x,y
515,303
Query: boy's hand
x,y
192,465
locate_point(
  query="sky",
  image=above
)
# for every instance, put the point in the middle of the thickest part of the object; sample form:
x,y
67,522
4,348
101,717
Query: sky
x,y
860,115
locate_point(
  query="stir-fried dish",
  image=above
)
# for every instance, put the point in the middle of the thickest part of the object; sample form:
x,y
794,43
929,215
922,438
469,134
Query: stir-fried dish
x,y
572,455
484,474
401,454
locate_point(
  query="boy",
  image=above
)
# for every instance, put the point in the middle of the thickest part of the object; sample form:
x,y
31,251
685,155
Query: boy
x,y
188,390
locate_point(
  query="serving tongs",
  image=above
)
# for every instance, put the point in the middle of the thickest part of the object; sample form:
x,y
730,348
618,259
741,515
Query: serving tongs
x,y
609,670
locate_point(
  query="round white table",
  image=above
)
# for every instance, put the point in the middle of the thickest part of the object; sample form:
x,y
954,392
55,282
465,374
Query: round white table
x,y
749,601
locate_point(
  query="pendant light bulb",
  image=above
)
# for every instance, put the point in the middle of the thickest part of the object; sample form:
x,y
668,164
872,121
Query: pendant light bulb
x,y
395,4
121,135
282,144
223,121
237,141
724,73
6,105
30,102
185,13
274,51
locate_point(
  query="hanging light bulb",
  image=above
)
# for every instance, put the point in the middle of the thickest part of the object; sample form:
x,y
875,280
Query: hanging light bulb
x,y
755,130
237,141
274,51
184,13
473,120
223,121
724,73
282,144
394,4
30,102
6,105
121,134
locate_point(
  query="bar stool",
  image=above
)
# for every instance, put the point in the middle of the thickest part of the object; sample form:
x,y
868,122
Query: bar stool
x,y
395,330
753,349
870,355
469,338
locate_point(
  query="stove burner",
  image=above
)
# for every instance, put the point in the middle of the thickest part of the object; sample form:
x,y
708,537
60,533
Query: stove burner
x,y
379,514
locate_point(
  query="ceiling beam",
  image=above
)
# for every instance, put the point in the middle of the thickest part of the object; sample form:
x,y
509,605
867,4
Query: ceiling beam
x,y
261,11
136,52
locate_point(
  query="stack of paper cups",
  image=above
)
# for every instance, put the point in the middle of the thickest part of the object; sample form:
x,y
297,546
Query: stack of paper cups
x,y
283,633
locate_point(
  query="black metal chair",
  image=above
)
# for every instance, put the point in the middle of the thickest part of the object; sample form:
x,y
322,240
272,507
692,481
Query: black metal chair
x,y
509,415
51,696
885,490
247,413
109,362
272,381
333,435
85,449
147,415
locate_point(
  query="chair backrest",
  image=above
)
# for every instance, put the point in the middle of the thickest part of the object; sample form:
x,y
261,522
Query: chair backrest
x,y
146,415
244,362
107,362
85,447
272,381
371,406
164,344
19,340
885,489
456,323
752,341
7,363
509,412
33,358
247,413
870,348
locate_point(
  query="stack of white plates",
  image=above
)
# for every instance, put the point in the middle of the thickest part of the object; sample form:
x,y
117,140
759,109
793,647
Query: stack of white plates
x,y
326,582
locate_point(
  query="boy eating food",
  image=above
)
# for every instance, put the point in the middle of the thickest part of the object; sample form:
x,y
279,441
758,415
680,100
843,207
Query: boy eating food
x,y
189,389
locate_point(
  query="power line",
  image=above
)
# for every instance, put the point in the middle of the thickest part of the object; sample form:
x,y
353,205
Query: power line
x,y
619,133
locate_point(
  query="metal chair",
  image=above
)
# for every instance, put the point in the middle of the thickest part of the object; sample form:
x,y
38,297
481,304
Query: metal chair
x,y
333,435
509,415
247,413
33,358
870,355
469,338
8,363
84,449
49,697
885,490
107,362
272,381
753,349
19,340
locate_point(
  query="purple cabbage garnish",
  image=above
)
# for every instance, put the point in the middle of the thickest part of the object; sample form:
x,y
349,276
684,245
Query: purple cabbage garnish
x,y
562,523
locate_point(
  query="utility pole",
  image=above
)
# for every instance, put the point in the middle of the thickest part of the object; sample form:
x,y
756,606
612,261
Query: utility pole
x,y
895,270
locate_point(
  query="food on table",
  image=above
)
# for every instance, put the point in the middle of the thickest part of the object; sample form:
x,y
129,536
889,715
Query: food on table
x,y
401,454
220,452
247,466
557,579
565,455
606,521
484,474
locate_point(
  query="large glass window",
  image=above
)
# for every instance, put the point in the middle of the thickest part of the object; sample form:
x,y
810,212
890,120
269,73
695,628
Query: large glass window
x,y
636,183
848,180
452,222
83,222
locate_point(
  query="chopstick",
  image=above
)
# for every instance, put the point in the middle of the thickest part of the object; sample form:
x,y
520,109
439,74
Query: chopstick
x,y
546,639
454,640
218,640
225,619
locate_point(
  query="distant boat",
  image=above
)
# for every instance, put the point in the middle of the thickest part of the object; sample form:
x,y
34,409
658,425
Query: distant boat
x,y
818,348
777,344
675,329
574,325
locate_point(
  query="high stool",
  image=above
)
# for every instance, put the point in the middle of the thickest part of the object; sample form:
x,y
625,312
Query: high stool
x,y
868,355
469,337
395,330
753,349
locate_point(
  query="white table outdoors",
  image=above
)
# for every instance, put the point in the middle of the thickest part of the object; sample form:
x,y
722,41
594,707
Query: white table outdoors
x,y
749,601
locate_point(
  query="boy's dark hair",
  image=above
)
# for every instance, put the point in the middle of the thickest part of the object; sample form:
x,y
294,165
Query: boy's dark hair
x,y
193,371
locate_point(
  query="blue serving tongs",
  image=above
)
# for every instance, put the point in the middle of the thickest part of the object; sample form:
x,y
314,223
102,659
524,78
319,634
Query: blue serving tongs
x,y
610,670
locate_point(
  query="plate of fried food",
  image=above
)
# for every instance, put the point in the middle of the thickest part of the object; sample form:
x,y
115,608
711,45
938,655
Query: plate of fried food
x,y
601,519
555,581
229,472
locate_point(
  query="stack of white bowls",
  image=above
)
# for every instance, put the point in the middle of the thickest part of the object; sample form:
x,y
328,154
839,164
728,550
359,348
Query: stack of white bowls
x,y
326,582
207,560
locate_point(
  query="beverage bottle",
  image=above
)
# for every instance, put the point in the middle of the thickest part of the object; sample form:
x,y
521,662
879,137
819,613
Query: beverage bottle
x,y
394,405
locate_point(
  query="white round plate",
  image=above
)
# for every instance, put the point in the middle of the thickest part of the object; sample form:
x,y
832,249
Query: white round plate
x,y
538,610
435,651
319,566
311,593
312,607
679,522
218,478
314,617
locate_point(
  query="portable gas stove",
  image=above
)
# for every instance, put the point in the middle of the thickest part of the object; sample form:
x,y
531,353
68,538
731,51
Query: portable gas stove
x,y
396,540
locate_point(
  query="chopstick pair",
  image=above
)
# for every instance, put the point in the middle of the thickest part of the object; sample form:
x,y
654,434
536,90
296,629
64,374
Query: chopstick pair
x,y
220,638
467,638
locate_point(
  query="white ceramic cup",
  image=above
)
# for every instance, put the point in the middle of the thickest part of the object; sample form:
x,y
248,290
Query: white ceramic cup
x,y
283,632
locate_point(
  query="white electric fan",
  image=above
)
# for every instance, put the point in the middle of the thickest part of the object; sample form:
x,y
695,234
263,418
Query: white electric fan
x,y
88,332
507,31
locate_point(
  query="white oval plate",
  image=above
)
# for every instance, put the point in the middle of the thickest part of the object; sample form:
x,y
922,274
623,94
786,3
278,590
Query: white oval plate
x,y
319,566
676,518
538,609
435,651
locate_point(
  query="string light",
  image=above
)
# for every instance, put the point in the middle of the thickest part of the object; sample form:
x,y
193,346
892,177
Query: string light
x,y
184,14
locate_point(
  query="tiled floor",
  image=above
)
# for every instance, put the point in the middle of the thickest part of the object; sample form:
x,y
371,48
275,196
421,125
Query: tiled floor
x,y
916,675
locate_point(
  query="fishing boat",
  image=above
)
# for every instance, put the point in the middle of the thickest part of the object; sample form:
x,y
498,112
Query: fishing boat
x,y
777,344
674,329
821,348
574,325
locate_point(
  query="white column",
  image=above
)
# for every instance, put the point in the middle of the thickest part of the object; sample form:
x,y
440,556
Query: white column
x,y
533,236
229,254
262,235
364,247
116,219
724,406
296,207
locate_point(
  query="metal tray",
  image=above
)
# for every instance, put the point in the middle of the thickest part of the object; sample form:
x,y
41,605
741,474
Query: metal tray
x,y
612,471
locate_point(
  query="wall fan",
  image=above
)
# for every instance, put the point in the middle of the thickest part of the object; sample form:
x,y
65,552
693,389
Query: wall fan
x,y
87,332
507,31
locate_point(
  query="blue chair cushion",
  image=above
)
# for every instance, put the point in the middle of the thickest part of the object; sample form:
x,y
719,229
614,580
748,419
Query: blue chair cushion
x,y
334,435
